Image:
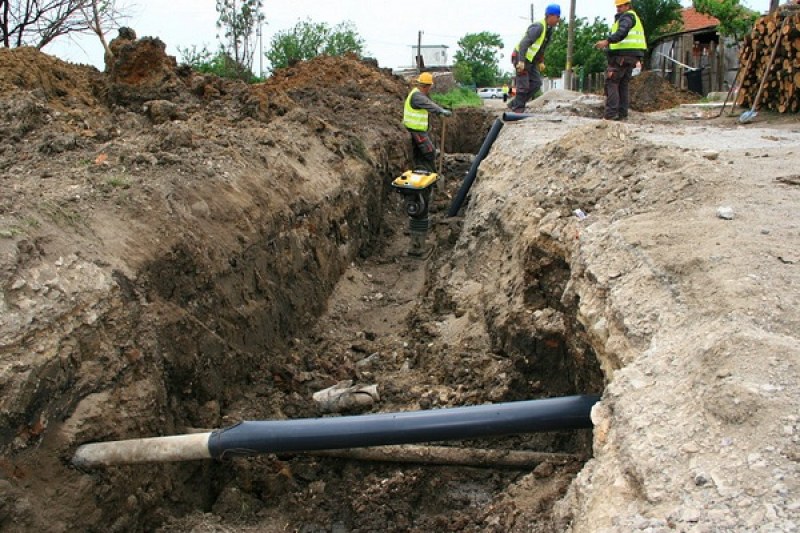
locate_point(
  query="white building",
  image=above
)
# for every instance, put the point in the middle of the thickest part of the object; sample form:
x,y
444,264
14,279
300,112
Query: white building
x,y
433,55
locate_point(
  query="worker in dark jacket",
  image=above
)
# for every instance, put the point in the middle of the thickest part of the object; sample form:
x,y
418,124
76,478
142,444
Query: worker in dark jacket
x,y
626,47
528,57
415,118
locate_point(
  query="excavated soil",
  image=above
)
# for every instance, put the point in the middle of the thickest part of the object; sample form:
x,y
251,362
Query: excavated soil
x,y
180,253
651,92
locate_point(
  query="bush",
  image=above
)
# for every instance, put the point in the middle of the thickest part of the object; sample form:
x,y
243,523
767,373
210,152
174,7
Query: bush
x,y
219,64
461,97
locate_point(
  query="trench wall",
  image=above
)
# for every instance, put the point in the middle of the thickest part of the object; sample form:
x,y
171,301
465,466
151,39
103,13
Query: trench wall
x,y
169,348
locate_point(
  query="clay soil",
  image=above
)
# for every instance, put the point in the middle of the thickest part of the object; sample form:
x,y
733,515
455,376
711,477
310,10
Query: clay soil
x,y
179,253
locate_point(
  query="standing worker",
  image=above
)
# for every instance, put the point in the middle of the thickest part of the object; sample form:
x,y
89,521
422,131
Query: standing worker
x,y
415,118
626,47
528,57
505,92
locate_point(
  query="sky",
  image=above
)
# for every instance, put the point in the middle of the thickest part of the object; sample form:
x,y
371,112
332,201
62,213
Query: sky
x,y
389,28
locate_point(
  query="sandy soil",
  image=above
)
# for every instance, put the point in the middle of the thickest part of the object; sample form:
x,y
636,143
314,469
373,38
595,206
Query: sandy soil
x,y
181,253
691,315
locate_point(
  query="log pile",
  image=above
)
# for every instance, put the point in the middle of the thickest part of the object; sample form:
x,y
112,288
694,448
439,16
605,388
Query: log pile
x,y
771,54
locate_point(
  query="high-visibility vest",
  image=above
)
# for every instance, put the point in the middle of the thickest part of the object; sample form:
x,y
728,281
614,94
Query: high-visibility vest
x,y
414,119
534,48
635,40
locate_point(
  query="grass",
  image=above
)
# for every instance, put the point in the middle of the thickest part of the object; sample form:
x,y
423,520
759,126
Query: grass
x,y
15,230
457,98
61,215
116,182
32,222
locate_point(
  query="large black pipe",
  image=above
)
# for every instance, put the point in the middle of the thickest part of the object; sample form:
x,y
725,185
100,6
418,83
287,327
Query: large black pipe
x,y
251,438
410,427
473,169
511,117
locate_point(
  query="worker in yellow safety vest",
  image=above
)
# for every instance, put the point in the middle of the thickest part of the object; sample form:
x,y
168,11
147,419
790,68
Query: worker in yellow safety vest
x,y
528,57
417,107
625,47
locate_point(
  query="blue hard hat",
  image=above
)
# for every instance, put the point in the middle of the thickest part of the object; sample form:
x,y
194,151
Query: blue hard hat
x,y
552,9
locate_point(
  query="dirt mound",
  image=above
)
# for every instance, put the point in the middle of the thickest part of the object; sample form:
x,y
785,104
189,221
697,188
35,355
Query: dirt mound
x,y
651,92
62,84
348,74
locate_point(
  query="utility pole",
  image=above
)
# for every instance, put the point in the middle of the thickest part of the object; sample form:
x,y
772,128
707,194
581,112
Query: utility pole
x,y
419,51
532,16
260,51
773,5
570,45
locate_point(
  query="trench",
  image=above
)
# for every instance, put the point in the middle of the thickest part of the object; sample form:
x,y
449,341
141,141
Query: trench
x,y
328,296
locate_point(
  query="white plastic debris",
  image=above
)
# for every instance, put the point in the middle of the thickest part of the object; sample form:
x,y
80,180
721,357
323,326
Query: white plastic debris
x,y
344,395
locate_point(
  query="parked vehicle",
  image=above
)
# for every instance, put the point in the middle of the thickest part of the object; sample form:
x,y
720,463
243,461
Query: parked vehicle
x,y
490,92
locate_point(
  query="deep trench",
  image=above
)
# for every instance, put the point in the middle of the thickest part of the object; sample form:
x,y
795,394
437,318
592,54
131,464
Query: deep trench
x,y
242,350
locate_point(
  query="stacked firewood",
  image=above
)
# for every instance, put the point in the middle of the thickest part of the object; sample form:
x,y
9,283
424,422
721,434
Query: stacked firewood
x,y
770,62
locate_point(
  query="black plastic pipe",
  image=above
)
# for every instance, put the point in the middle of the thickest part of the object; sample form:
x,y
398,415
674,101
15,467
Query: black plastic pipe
x,y
473,169
410,427
258,437
508,116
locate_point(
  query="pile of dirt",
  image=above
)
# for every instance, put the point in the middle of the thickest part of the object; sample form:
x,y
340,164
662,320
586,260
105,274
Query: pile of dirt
x,y
649,91
348,74
27,69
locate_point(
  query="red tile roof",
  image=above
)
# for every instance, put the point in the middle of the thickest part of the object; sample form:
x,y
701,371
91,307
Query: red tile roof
x,y
693,21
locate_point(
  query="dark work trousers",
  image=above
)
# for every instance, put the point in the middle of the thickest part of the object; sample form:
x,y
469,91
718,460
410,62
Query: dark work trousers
x,y
424,151
618,77
528,84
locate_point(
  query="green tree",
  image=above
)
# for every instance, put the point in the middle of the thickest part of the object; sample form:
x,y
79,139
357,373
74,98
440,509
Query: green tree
x,y
735,20
586,57
659,17
238,21
344,39
310,39
476,59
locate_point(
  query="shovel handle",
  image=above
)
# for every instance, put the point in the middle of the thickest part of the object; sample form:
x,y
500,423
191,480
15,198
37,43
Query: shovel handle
x,y
741,72
441,151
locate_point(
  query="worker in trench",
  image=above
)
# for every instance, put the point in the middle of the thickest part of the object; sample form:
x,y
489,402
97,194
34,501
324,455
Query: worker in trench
x,y
625,48
528,57
416,111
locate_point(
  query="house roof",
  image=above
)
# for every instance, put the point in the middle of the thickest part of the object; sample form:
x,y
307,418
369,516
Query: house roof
x,y
693,21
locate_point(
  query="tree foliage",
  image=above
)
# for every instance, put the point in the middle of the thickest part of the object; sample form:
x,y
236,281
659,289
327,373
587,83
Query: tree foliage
x,y
219,63
238,21
310,39
586,58
659,17
37,23
476,59
735,20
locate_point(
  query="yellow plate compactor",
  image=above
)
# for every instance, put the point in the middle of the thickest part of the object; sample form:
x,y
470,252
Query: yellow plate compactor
x,y
416,187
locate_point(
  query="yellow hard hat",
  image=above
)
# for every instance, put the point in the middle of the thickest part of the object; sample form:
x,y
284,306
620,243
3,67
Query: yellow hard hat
x,y
426,78
618,3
